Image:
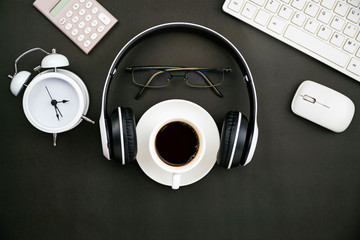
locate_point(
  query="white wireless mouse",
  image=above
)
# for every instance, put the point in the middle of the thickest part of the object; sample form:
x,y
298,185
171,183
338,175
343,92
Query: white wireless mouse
x,y
323,105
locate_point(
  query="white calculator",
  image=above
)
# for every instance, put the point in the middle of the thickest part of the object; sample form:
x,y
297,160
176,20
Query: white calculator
x,y
85,22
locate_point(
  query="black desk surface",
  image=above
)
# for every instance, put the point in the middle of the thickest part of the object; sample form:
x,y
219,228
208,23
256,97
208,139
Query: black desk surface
x,y
303,182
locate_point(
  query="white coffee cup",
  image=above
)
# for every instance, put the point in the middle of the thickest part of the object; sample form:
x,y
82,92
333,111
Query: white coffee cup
x,y
178,170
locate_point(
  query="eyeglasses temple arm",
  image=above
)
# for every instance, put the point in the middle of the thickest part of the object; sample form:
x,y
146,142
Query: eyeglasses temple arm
x,y
141,91
214,88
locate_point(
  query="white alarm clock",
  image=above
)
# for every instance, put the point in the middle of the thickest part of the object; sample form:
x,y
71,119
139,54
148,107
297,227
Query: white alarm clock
x,y
56,100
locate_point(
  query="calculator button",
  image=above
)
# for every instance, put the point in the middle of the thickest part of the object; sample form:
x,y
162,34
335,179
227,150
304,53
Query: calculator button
x,y
74,32
80,38
93,36
88,4
62,21
81,24
82,12
87,43
88,17
94,23
104,18
95,10
82,1
76,6
68,26
87,30
75,19
69,13
100,28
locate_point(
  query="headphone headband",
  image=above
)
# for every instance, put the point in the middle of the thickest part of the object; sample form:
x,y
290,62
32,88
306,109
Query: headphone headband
x,y
253,129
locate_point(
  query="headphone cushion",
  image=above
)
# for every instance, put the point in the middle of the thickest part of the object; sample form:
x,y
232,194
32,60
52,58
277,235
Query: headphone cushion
x,y
233,138
124,142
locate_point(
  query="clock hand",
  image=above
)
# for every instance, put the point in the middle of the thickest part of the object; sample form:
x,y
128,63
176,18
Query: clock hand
x,y
48,93
63,101
54,103
56,113
58,110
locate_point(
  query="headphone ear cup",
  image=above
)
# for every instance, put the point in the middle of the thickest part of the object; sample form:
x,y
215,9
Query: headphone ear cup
x,y
233,138
124,143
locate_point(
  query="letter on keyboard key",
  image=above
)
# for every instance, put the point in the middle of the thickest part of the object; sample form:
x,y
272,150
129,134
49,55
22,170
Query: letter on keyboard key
x,y
316,46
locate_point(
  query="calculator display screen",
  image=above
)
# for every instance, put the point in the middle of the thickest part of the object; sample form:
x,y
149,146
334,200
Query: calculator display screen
x,y
57,8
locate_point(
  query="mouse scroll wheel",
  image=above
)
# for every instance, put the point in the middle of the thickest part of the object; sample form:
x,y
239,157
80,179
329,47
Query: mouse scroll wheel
x,y
308,98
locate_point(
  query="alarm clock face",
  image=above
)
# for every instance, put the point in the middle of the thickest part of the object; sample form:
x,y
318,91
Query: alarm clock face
x,y
53,102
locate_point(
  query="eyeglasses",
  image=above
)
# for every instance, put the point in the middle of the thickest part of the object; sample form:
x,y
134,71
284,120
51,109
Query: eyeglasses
x,y
158,77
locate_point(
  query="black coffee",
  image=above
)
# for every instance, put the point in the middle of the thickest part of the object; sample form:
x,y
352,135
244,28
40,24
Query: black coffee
x,y
177,143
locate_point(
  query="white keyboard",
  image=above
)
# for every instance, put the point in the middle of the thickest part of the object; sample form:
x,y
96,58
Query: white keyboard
x,y
327,30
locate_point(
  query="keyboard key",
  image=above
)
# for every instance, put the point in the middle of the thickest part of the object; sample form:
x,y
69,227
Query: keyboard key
x,y
341,8
324,33
276,25
262,17
68,26
76,6
81,24
104,18
259,2
311,9
354,66
75,19
74,32
311,26
355,3
82,12
328,3
324,16
298,19
337,23
337,39
350,46
316,45
272,6
354,15
100,28
235,5
298,4
285,12
69,13
81,37
87,43
249,10
95,10
88,4
62,21
350,30
93,36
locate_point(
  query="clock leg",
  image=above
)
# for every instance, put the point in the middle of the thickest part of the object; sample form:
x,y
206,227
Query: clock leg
x,y
54,139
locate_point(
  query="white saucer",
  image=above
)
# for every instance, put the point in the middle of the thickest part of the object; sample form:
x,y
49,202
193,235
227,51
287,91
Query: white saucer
x,y
176,109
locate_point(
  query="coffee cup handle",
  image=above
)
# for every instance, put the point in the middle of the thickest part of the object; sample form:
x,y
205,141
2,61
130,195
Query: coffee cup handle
x,y
175,181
